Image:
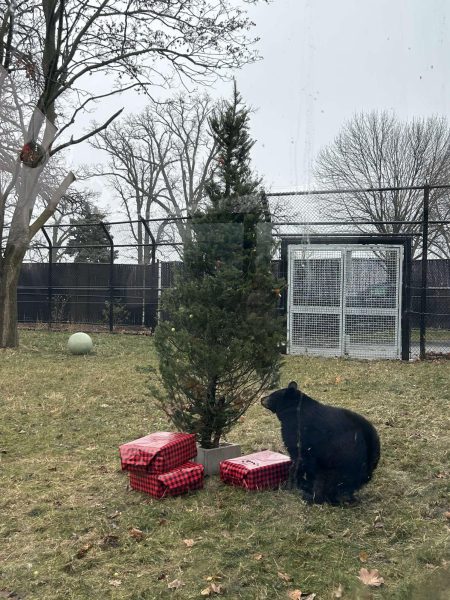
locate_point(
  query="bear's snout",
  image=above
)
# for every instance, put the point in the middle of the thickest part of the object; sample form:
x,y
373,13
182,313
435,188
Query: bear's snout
x,y
268,402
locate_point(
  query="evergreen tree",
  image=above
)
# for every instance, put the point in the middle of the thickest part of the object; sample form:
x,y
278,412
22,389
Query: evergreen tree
x,y
218,343
233,179
88,242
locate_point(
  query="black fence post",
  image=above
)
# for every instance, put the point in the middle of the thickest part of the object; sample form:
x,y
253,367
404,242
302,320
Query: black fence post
x,y
153,256
423,292
50,277
111,276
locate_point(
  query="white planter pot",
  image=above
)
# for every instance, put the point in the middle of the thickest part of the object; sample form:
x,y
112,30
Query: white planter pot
x,y
211,458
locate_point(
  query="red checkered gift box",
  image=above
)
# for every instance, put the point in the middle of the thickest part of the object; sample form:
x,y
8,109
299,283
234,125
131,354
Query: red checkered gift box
x,y
258,471
158,452
178,481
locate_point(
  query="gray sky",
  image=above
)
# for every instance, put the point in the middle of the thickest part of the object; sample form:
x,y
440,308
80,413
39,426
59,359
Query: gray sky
x,y
324,60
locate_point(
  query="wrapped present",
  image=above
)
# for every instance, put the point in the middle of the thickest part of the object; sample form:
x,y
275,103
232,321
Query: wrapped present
x,y
258,471
158,452
178,481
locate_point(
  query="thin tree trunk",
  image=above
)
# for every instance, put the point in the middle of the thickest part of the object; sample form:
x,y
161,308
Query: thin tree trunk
x,y
208,437
20,234
9,279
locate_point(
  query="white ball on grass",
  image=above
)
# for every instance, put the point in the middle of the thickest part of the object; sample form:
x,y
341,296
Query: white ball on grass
x,y
80,343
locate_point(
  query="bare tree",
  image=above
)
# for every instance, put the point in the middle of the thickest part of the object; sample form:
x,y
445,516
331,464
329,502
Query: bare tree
x,y
71,207
378,150
48,49
158,163
134,175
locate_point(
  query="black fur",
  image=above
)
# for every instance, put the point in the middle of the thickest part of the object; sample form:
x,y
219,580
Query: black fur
x,y
339,449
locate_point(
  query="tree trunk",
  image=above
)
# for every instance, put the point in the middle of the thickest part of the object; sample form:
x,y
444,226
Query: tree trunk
x,y
9,278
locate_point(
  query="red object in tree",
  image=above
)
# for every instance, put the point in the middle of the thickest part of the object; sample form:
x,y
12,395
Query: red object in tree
x,y
32,154
258,471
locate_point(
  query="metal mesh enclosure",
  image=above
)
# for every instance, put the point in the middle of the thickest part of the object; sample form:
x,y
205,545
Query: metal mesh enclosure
x,y
344,300
326,214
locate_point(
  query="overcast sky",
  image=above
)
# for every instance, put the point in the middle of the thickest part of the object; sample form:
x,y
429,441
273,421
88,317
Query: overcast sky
x,y
324,60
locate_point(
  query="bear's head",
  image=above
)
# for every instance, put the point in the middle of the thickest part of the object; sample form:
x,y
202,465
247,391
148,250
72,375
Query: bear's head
x,y
282,400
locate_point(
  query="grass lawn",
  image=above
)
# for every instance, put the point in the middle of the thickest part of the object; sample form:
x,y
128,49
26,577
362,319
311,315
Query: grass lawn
x,y
432,335
66,511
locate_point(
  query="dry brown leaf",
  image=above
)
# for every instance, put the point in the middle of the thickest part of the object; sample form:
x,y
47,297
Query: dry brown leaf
x,y
137,534
338,592
175,584
371,578
338,379
83,550
258,556
378,523
115,582
189,543
162,522
284,576
295,595
363,556
447,514
212,589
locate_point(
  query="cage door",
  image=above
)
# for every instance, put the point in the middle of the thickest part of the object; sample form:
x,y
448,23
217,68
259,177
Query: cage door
x,y
345,300
315,300
372,302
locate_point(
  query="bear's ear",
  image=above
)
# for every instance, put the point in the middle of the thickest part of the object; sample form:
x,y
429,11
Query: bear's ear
x,y
293,385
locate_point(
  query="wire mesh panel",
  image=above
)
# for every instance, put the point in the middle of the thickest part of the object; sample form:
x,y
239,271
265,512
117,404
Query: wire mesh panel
x,y
372,302
344,300
315,301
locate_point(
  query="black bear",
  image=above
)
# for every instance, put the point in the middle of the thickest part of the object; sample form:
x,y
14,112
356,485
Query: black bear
x,y
334,450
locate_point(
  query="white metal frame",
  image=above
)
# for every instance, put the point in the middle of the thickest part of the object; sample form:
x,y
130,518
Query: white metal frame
x,y
362,350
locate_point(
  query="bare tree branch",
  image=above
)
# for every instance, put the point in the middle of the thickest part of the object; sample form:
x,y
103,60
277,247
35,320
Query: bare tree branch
x,y
378,150
72,142
52,205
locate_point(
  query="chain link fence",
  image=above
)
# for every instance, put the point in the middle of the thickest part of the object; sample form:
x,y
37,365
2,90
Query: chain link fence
x,y
420,214
109,275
